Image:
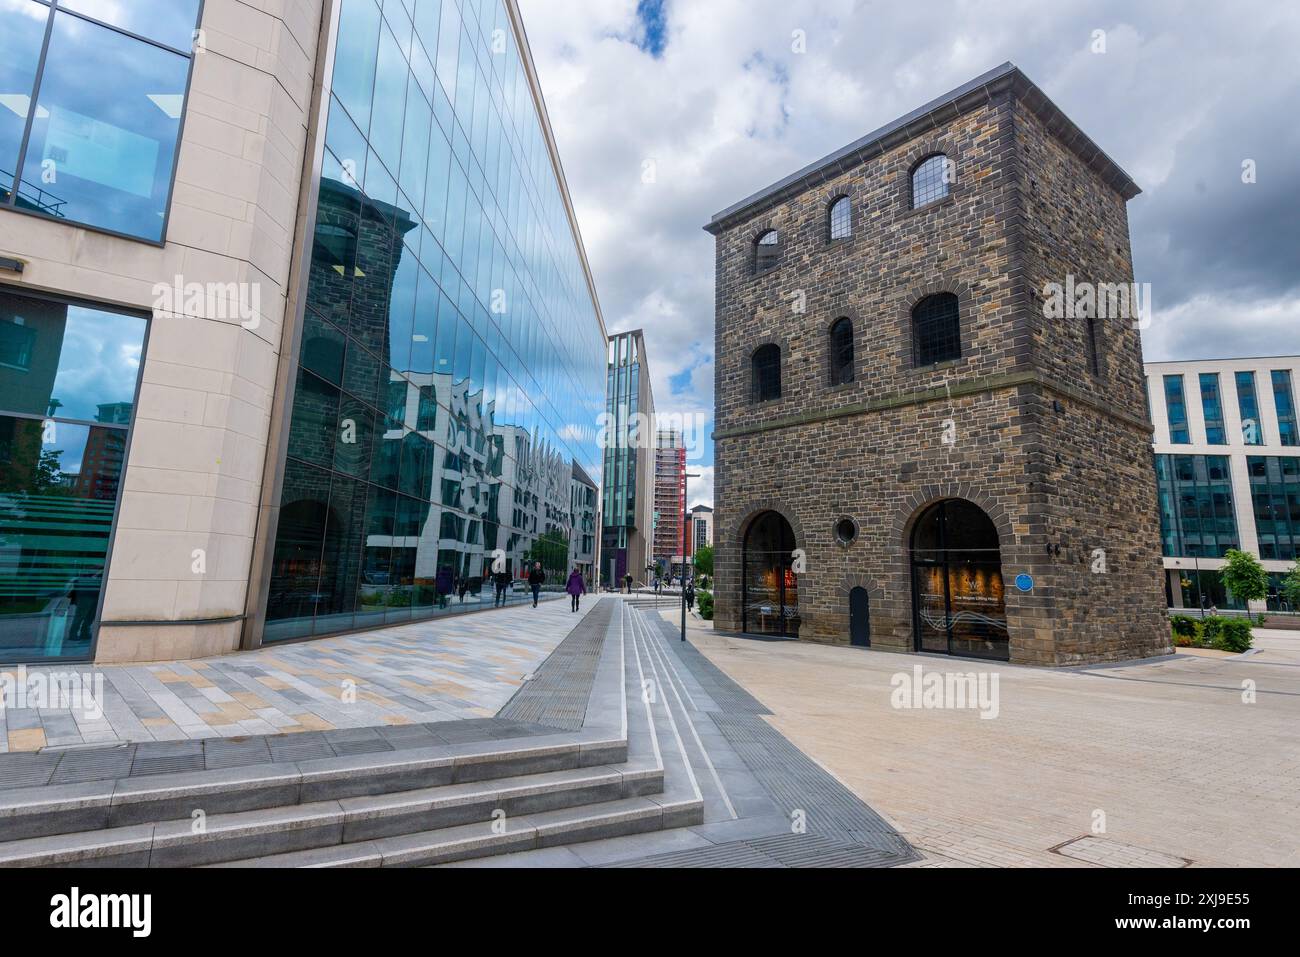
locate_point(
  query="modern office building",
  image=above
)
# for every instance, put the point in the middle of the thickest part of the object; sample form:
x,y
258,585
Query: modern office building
x,y
584,520
916,449
670,498
627,437
1227,448
297,332
701,526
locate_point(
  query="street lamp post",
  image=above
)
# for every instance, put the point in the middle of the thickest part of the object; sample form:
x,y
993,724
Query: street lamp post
x,y
685,518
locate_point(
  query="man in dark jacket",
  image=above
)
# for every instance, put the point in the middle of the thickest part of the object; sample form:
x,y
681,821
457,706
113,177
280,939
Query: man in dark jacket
x,y
535,579
501,580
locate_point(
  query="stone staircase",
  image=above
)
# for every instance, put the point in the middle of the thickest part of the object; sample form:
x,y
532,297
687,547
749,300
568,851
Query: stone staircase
x,y
519,786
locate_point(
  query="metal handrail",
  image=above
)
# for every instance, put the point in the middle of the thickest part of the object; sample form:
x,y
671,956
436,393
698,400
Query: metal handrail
x,y
53,208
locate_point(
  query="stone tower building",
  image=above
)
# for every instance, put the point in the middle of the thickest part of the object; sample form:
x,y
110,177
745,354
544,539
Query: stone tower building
x,y
920,445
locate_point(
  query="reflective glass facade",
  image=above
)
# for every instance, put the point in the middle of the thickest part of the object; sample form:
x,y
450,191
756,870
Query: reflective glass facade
x,y
108,82
68,377
1252,429
1195,495
451,369
1284,402
628,458
1176,408
1212,409
1275,494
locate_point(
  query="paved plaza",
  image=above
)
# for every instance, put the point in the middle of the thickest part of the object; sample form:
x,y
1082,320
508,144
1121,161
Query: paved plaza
x,y
465,666
1164,754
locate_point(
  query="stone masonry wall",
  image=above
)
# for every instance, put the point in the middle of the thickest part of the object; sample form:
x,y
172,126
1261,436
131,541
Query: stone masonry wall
x,y
1047,467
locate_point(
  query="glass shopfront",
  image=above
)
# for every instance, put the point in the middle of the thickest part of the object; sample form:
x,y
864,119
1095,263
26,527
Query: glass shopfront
x,y
68,377
959,605
770,600
452,366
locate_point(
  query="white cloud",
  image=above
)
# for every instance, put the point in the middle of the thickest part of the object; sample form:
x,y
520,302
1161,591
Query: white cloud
x,y
1178,99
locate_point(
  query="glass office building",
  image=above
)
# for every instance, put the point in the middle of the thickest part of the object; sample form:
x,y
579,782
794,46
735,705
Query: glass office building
x,y
1227,473
627,532
451,369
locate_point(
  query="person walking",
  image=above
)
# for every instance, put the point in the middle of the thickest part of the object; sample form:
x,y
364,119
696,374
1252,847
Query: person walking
x,y
501,580
627,583
690,595
535,579
576,588
657,584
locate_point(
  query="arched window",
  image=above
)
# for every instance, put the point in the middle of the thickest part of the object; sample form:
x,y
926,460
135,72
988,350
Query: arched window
x,y
766,373
936,329
769,599
930,180
766,252
841,351
841,219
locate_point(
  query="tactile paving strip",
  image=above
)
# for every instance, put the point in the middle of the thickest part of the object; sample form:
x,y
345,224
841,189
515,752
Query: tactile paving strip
x,y
165,757
831,812
558,693
94,764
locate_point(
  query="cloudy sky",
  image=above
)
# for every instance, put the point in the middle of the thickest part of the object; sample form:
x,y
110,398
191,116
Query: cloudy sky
x,y
667,111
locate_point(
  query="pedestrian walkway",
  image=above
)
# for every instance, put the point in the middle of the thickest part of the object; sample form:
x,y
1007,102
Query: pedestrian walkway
x,y
447,669
1186,760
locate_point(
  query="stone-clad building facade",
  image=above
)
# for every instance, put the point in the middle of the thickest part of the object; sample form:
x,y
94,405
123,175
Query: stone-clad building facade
x,y
912,452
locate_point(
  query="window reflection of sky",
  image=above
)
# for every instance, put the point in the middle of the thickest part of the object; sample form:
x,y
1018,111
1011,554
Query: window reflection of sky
x,y
70,444
167,21
101,356
20,48
102,152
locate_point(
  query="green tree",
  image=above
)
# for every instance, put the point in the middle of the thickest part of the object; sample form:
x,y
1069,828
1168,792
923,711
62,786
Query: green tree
x,y
552,550
1244,576
1291,586
704,560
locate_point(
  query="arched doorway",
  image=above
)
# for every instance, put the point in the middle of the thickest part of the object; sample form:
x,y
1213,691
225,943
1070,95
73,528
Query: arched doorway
x,y
770,588
958,600
860,618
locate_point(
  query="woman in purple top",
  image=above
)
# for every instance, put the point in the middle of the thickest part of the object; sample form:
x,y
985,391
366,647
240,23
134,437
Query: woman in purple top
x,y
576,587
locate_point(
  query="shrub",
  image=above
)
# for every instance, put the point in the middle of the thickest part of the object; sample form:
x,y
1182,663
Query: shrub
x,y
1184,641
705,600
1233,635
1210,629
1183,625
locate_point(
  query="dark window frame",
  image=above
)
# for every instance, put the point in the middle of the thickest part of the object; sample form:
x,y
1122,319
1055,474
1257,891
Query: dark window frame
x,y
761,364
932,347
766,262
841,353
841,201
916,202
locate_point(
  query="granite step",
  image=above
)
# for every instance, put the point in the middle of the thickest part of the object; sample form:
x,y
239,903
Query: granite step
x,y
35,812
638,815
318,826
